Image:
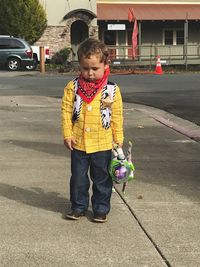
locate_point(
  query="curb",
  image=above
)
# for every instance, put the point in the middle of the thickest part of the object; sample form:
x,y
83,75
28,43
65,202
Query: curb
x,y
185,127
192,134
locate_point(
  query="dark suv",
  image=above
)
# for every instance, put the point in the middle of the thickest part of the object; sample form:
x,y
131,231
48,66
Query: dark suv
x,y
15,53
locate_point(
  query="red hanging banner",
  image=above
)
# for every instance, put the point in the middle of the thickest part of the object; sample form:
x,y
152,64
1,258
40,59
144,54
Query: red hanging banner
x,y
134,39
132,18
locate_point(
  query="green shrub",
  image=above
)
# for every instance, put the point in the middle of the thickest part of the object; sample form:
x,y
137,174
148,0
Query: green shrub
x,y
22,18
61,56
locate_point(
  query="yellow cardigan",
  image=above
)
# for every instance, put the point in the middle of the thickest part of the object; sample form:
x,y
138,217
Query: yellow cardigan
x,y
88,130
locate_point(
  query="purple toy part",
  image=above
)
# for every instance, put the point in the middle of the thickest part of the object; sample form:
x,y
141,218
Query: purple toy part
x,y
120,172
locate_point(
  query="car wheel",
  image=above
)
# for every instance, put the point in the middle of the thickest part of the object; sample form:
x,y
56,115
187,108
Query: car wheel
x,y
13,64
32,67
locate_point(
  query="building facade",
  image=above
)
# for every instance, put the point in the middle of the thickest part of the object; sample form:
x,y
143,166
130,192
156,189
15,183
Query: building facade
x,y
167,28
170,29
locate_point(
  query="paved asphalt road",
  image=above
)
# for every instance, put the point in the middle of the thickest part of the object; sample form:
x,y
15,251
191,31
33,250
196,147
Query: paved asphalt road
x,y
178,94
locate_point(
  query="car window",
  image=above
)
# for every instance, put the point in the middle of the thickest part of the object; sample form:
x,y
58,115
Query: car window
x,y
10,44
16,44
4,44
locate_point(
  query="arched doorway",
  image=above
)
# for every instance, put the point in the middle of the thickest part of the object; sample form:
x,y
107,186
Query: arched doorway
x,y
79,32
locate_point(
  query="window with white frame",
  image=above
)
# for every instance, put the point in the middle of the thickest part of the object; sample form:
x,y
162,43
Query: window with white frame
x,y
118,39
173,37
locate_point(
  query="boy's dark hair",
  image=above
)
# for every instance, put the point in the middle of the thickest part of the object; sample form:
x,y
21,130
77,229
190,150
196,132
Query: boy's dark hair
x,y
92,47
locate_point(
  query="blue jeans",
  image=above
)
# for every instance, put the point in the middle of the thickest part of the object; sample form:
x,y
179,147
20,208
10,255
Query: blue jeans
x,y
97,165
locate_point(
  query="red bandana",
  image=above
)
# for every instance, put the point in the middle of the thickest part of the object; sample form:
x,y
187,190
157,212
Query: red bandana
x,y
88,90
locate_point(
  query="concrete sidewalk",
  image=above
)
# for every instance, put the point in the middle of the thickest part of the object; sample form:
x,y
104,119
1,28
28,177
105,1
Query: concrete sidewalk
x,y
155,224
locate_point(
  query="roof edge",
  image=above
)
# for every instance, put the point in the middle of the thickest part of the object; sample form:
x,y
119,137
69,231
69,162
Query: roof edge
x,y
150,3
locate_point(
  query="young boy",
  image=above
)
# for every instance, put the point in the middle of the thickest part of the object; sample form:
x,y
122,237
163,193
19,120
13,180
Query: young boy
x,y
92,120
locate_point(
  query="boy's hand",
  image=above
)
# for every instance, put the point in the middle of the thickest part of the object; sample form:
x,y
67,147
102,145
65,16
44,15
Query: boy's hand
x,y
69,142
118,144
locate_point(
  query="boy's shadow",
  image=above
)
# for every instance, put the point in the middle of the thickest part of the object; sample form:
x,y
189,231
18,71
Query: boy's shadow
x,y
36,197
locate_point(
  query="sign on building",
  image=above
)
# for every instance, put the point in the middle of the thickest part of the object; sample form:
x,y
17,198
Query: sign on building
x,y
116,27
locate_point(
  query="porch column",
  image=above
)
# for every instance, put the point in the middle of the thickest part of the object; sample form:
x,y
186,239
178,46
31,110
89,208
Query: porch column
x,y
139,39
186,41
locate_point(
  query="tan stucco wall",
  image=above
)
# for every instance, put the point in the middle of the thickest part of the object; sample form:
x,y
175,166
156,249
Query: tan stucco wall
x,y
56,10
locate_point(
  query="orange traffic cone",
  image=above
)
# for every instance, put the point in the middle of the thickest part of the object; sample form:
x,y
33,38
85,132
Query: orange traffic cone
x,y
158,66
